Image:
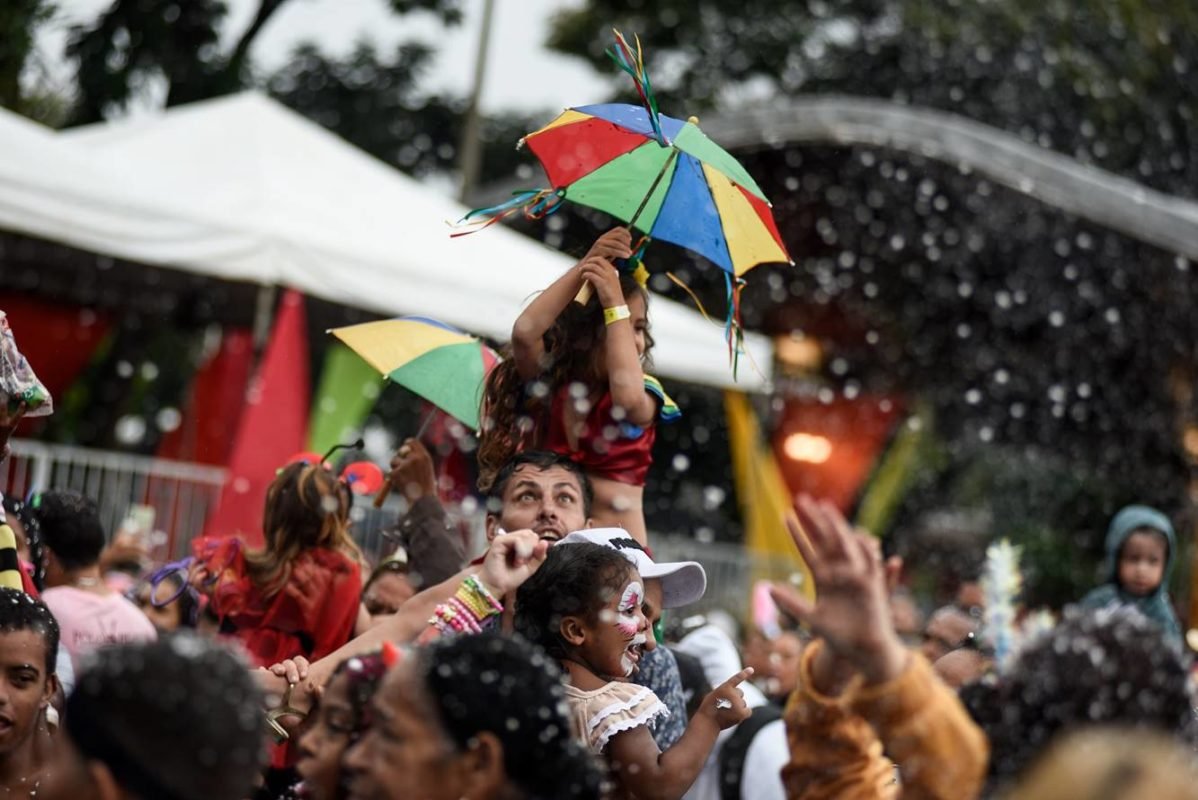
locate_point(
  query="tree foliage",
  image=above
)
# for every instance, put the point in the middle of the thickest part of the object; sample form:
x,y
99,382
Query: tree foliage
x,y
19,21
135,42
372,102
368,97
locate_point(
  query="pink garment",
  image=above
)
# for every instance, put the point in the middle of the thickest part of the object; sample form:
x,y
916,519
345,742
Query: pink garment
x,y
88,620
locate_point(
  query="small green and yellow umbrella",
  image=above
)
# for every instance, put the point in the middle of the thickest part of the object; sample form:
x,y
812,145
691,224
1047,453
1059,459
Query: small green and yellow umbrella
x,y
436,361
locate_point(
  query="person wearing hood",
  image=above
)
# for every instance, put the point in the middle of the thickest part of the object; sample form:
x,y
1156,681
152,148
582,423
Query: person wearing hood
x,y
1140,550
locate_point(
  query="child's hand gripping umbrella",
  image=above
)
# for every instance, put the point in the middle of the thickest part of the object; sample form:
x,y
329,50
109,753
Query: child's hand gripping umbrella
x,y
436,361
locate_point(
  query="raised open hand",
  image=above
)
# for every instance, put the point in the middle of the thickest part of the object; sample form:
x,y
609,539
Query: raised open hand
x,y
851,612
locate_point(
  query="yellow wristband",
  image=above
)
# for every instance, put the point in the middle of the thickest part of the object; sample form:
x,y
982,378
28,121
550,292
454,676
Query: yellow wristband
x,y
615,314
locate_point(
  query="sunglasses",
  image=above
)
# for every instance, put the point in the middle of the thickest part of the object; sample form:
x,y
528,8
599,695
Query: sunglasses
x,y
225,551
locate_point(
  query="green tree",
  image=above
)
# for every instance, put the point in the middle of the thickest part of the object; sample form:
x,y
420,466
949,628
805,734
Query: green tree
x,y
138,41
368,97
19,21
373,103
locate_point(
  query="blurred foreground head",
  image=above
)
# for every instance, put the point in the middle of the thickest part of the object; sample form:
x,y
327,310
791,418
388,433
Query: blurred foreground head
x,y
1112,764
482,717
175,719
1112,668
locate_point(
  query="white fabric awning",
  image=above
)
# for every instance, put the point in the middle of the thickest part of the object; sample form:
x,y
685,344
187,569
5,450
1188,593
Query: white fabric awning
x,y
242,188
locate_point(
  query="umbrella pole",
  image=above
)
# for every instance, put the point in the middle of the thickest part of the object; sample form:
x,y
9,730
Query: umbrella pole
x,y
381,497
584,294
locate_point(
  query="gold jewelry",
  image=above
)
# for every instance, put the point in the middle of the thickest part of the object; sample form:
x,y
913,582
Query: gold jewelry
x,y
615,314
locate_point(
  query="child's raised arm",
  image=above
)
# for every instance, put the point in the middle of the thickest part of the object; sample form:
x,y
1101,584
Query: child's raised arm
x,y
528,344
649,774
625,378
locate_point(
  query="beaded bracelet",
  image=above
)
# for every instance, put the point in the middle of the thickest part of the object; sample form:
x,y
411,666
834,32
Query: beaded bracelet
x,y
615,314
467,610
479,597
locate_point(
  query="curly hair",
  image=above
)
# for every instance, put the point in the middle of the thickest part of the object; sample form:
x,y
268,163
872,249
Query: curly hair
x,y
173,718
20,612
501,685
578,580
70,526
514,411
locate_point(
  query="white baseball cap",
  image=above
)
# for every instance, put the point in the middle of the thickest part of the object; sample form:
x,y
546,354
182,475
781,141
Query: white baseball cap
x,y
682,582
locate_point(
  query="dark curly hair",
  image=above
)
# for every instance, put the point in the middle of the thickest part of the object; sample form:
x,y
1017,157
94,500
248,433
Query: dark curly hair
x,y
20,612
506,687
177,718
576,580
513,411
1102,667
70,527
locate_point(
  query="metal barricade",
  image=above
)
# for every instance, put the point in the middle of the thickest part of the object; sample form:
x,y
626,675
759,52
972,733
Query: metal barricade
x,y
731,570
181,494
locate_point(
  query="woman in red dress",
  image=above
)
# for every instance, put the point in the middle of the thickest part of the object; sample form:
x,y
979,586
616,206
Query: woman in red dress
x,y
299,594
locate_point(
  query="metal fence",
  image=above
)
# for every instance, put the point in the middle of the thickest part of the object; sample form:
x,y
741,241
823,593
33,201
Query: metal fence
x,y
731,570
181,494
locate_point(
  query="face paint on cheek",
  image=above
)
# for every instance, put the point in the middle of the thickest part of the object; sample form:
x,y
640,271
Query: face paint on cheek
x,y
632,655
626,621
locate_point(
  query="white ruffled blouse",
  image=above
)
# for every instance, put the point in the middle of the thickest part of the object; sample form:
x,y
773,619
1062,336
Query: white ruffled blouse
x,y
600,714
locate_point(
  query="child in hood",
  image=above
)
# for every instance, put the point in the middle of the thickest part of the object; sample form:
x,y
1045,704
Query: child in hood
x,y
1140,549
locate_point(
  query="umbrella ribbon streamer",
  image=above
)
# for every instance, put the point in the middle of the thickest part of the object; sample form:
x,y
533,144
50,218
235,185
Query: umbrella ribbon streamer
x,y
734,330
634,64
532,203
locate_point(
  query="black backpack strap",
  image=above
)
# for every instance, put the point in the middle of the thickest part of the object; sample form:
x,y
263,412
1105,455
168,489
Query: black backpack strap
x,y
736,749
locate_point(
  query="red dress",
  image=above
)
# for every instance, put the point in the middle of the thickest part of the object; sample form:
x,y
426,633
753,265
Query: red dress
x,y
312,615
604,446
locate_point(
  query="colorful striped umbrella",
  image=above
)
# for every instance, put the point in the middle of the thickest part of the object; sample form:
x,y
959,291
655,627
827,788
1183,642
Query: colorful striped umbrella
x,y
436,361
663,177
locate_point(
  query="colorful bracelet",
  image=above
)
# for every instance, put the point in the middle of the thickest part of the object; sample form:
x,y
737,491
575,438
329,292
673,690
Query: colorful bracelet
x,y
467,611
479,597
615,314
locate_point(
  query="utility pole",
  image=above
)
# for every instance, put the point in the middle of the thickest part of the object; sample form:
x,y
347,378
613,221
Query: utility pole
x,y
470,146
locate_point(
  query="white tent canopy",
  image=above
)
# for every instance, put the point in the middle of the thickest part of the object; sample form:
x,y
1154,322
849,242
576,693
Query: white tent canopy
x,y
52,189
242,188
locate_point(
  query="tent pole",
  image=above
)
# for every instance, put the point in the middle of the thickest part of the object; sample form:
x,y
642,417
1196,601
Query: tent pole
x,y
470,146
263,316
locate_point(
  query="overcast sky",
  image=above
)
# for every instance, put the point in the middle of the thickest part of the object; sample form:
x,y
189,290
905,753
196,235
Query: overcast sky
x,y
521,73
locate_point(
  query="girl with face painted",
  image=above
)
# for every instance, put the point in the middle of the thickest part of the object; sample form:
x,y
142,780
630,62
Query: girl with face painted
x,y
583,605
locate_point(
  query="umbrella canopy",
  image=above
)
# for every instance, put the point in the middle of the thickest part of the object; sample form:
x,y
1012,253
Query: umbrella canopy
x,y
680,188
436,361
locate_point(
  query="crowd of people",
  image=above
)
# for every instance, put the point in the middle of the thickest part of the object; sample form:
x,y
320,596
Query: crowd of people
x,y
561,661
